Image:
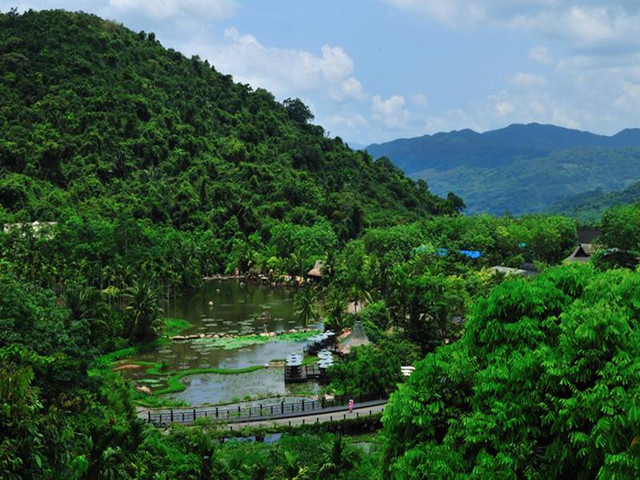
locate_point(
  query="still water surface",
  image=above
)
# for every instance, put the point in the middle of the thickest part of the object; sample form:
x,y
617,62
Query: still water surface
x,y
228,306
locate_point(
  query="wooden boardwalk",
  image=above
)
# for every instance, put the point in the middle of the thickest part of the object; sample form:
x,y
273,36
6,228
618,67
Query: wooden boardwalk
x,y
358,412
296,412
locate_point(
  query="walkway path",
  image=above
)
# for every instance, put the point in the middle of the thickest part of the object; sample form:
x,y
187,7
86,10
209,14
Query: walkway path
x,y
297,413
311,418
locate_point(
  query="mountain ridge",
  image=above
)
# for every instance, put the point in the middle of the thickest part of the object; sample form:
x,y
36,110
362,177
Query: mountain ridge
x,y
98,119
505,144
544,164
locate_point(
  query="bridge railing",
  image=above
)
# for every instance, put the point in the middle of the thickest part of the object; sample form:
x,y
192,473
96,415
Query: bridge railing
x,y
249,412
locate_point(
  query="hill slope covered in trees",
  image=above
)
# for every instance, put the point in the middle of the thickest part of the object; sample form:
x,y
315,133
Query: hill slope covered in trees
x,y
520,168
589,206
112,135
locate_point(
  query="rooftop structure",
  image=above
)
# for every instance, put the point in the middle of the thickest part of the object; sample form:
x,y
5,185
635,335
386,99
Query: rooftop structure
x,y
357,338
582,253
316,271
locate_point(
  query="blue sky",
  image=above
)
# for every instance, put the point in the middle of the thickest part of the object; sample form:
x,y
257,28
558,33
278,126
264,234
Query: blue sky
x,y
376,70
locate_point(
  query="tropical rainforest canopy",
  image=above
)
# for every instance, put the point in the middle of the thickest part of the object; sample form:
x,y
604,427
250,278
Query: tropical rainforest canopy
x,y
158,170
129,145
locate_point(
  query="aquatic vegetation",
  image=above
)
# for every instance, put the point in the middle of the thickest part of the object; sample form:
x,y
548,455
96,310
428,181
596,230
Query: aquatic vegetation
x,y
231,343
174,326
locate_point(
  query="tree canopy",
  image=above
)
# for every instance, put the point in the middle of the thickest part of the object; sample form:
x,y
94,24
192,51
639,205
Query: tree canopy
x,y
544,384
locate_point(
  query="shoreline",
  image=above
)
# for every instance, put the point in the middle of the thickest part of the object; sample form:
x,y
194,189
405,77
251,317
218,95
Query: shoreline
x,y
195,336
273,281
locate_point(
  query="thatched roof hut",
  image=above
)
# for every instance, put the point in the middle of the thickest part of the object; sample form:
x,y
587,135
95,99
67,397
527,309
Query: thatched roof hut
x,y
582,253
356,338
507,271
316,271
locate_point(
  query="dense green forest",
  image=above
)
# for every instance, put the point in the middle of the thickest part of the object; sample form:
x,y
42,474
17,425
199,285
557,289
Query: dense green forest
x,y
159,170
135,148
521,168
544,384
589,206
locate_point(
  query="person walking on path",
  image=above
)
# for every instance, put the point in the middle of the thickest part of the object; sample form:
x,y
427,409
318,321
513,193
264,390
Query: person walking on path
x,y
351,402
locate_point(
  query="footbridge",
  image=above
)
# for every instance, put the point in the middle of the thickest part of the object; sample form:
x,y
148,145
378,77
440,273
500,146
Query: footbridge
x,y
287,413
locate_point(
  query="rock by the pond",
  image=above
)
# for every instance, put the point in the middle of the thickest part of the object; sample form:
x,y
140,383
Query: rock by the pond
x,y
129,366
145,390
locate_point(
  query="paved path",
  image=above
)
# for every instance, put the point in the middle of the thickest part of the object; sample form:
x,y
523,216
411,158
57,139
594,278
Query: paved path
x,y
312,418
295,416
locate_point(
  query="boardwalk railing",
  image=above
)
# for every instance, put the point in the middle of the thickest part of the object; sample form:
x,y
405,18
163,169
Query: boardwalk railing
x,y
254,412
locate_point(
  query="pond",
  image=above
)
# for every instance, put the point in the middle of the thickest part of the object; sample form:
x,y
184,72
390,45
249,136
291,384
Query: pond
x,y
233,306
229,307
214,388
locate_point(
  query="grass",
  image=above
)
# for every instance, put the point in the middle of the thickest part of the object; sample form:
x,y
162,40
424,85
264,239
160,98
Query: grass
x,y
296,337
117,355
170,327
230,343
174,326
174,385
309,359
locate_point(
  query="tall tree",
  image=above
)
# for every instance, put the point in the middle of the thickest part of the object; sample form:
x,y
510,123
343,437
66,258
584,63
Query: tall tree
x,y
306,302
144,310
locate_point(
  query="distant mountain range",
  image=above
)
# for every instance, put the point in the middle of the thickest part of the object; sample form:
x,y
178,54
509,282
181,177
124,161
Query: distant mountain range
x,y
520,168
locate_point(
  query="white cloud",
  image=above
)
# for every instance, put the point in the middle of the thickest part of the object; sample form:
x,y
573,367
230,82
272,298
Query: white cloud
x,y
448,12
630,96
348,121
540,55
350,89
391,112
285,72
527,80
504,108
593,25
420,100
164,9
585,72
335,64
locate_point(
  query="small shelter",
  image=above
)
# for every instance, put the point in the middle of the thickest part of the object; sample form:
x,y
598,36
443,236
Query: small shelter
x,y
293,370
40,229
588,234
356,338
316,271
582,253
407,370
508,271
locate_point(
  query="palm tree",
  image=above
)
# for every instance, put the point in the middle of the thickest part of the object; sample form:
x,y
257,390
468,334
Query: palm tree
x,y
358,292
144,310
87,303
297,264
338,457
334,305
306,304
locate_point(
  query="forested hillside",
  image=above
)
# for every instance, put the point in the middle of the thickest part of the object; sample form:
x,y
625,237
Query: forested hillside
x,y
518,169
157,170
126,143
589,206
543,384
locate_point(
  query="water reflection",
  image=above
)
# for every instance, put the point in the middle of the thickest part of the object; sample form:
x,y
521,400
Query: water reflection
x,y
227,306
214,388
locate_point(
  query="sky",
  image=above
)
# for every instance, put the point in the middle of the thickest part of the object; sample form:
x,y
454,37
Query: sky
x,y
372,71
